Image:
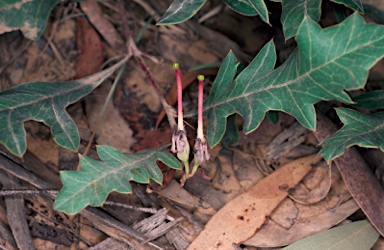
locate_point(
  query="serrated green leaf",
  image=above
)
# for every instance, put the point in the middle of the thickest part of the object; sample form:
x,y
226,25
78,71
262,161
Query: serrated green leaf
x,y
355,235
44,102
249,8
353,4
273,116
231,135
96,179
294,12
359,129
325,63
28,16
370,100
180,11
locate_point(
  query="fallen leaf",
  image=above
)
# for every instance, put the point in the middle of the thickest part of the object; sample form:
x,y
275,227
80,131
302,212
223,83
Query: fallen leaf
x,y
91,57
359,179
244,215
301,228
355,235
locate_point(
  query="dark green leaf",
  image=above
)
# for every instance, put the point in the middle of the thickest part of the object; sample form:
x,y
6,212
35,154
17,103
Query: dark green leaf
x,y
359,129
96,179
249,8
273,116
181,10
294,12
28,16
325,63
231,135
355,235
44,102
370,100
353,4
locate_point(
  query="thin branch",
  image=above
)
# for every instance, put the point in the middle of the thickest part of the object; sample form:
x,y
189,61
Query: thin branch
x,y
131,47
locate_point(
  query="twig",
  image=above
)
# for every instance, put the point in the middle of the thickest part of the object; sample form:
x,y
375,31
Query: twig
x,y
131,47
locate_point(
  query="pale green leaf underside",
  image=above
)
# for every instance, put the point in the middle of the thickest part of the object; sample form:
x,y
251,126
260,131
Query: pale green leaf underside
x,y
359,129
28,16
44,102
355,235
370,100
180,11
249,8
294,12
96,179
325,63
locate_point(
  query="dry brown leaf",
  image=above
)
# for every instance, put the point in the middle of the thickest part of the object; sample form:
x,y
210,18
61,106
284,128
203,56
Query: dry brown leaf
x,y
273,234
319,184
91,56
359,179
240,218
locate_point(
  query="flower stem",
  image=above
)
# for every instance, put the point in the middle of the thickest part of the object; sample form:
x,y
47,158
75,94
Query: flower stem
x,y
180,122
200,133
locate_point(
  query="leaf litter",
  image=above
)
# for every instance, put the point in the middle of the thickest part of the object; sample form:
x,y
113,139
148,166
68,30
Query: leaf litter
x,y
238,171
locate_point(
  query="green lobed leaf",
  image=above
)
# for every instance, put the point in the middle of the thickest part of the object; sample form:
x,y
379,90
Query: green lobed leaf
x,y
353,4
359,129
44,102
355,235
180,11
231,135
28,16
96,179
370,100
325,63
293,14
249,8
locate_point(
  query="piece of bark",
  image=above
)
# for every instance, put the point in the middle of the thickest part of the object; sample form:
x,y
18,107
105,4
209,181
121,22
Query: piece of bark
x,y
99,219
16,214
358,177
288,139
6,236
110,244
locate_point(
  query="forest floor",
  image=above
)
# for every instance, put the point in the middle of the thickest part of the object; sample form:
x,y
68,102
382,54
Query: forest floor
x,y
82,38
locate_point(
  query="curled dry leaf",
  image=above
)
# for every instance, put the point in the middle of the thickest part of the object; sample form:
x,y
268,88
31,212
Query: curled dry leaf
x,y
244,215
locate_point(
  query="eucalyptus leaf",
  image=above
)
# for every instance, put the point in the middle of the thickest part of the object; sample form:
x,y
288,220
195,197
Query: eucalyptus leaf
x,y
359,129
45,102
356,235
96,179
28,16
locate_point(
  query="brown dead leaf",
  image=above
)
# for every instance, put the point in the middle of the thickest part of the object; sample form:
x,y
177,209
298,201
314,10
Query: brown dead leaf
x,y
319,179
273,234
91,58
365,188
244,215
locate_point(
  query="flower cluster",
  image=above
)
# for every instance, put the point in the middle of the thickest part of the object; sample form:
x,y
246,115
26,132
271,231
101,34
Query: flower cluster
x,y
180,144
